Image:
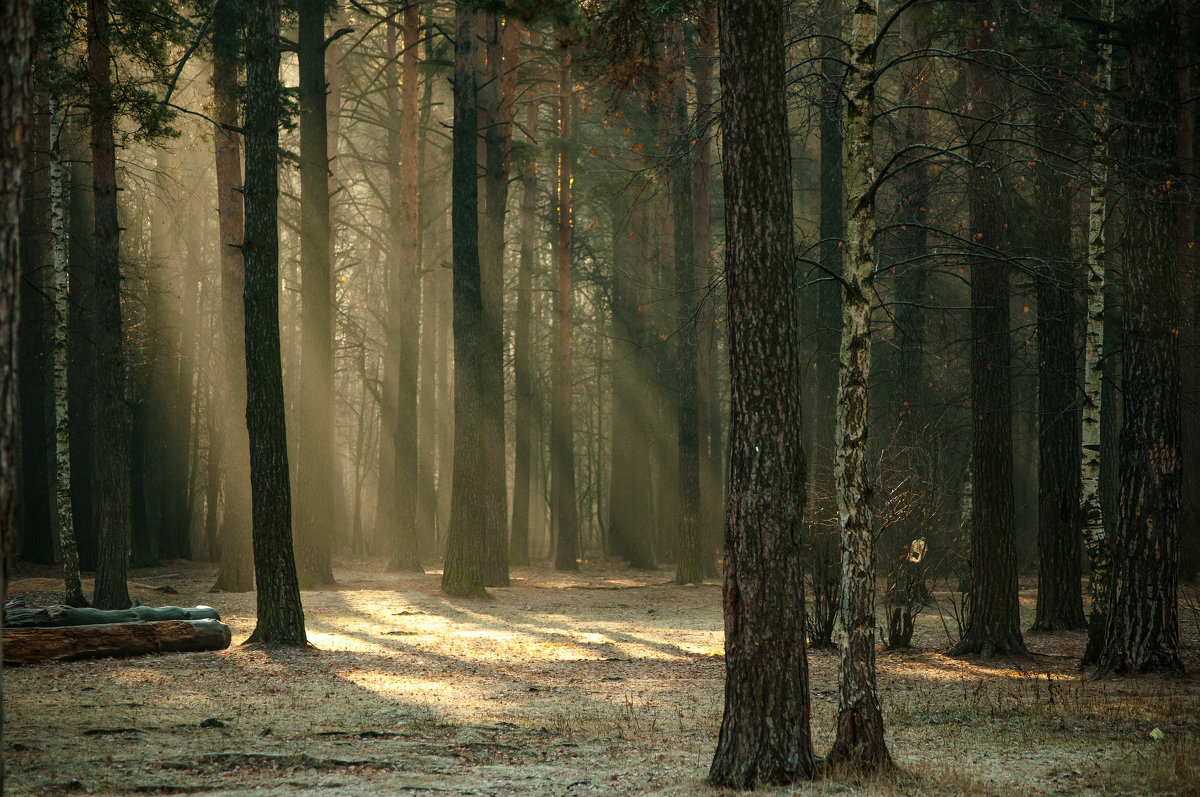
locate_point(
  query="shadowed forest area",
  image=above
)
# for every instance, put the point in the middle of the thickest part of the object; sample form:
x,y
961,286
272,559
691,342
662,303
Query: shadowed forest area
x,y
548,393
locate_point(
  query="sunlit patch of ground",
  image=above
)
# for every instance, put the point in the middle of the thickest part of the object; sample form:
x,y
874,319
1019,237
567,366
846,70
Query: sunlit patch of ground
x,y
609,681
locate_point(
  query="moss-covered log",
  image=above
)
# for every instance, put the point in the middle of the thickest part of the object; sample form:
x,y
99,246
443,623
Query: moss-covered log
x,y
59,616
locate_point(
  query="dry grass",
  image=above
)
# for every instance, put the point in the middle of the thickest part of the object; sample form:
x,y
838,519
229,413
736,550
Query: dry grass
x,y
606,682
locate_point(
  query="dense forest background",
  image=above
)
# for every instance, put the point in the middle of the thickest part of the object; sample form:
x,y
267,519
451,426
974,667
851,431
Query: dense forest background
x,y
599,397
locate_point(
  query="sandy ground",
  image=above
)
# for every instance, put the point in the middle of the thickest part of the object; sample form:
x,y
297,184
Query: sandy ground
x,y
604,682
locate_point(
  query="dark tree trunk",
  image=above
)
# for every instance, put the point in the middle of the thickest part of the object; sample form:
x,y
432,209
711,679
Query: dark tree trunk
x,y
81,355
710,366
280,615
764,736
518,549
236,569
463,571
1060,594
16,34
1143,620
112,414
691,564
994,620
405,292
498,95
562,444
1188,267
36,403
314,517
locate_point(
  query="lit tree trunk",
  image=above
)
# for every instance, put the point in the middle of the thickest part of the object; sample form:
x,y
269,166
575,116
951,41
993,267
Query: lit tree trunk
x,y
1143,620
1092,516
859,744
235,572
498,95
463,571
518,550
630,521
994,622
1059,595
112,417
60,185
764,736
404,288
691,566
314,526
280,615
562,447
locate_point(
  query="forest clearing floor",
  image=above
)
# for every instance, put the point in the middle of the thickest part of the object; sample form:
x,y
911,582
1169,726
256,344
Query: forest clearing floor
x,y
608,681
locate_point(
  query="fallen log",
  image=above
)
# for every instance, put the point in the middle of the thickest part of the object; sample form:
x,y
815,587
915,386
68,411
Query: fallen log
x,y
57,616
68,643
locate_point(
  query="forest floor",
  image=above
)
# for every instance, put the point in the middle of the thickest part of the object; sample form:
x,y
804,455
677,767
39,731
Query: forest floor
x,y
609,681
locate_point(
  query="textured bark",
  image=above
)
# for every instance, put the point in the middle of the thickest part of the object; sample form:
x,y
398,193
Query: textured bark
x,y
994,622
859,744
691,561
1189,303
463,571
764,737
497,96
1059,595
518,548
314,527
1143,622
235,571
280,615
33,645
562,444
60,186
1091,513
112,415
404,291
16,34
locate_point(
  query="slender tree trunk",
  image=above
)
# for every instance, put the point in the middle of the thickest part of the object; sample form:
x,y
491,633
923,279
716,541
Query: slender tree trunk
x,y
1095,540
60,186
498,95
235,572
314,518
112,414
764,737
710,366
994,622
280,615
562,446
518,550
404,289
463,572
1143,621
691,565
81,366
859,744
1059,596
